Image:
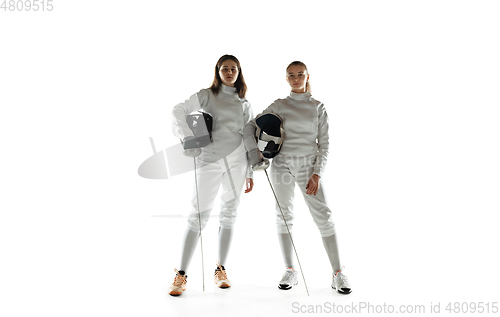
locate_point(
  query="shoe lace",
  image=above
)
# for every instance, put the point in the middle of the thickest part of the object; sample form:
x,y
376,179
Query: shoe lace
x,y
288,274
341,277
179,279
222,273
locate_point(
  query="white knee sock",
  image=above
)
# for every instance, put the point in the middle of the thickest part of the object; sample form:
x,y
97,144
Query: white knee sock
x,y
331,248
188,247
286,249
225,237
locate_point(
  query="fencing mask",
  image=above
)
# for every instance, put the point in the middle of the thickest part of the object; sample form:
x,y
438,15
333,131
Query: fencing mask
x,y
201,125
269,134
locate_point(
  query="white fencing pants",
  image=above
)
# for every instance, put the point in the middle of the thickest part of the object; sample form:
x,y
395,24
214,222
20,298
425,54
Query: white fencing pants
x,y
230,173
284,175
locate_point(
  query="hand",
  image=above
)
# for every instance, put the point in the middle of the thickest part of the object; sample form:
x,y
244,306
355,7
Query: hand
x,y
192,152
190,142
313,185
262,165
248,185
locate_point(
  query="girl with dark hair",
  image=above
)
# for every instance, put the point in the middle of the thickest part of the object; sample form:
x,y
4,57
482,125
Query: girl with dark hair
x,y
221,163
302,160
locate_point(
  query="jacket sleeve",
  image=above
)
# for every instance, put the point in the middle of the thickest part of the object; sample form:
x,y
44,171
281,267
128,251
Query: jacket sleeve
x,y
323,141
249,136
247,116
194,103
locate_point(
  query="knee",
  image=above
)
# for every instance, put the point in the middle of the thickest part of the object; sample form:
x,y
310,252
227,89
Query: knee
x,y
198,220
327,230
284,229
227,220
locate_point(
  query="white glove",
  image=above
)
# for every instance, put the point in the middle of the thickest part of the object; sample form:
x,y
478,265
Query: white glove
x,y
192,152
262,165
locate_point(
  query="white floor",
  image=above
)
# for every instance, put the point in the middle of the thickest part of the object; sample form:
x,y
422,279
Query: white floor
x,y
114,255
391,260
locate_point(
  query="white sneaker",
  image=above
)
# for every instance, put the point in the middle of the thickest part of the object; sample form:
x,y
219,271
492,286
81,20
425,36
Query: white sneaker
x,y
340,283
289,279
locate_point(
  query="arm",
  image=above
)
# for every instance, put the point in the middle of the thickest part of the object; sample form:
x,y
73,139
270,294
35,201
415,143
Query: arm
x,y
249,141
247,117
322,155
195,102
323,141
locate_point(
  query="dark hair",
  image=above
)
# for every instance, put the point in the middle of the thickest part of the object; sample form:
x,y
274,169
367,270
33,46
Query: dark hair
x,y
298,63
240,85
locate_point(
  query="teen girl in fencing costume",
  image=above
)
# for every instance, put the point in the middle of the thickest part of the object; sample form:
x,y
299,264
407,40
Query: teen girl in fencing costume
x,y
222,162
301,160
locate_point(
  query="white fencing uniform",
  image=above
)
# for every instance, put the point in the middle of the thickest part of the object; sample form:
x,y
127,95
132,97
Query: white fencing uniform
x,y
222,162
303,153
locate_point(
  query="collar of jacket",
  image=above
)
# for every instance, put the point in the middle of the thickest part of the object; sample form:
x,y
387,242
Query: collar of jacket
x,y
302,96
228,90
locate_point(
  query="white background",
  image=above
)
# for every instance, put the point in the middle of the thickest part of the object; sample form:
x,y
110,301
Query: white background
x,y
412,93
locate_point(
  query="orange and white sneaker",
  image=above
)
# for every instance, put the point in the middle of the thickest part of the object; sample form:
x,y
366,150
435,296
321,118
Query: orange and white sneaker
x,y
288,280
220,277
179,284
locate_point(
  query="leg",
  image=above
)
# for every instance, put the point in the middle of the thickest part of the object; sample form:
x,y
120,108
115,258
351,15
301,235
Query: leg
x,y
204,191
225,237
286,249
188,247
322,216
284,185
232,185
208,180
332,250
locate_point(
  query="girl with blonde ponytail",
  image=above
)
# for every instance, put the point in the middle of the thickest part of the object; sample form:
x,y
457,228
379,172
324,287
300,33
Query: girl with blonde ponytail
x,y
302,160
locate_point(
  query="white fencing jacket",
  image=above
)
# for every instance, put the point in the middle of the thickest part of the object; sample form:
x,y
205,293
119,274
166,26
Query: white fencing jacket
x,y
229,112
305,124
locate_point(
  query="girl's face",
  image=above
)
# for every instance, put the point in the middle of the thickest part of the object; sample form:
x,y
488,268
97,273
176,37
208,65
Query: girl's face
x,y
297,78
228,72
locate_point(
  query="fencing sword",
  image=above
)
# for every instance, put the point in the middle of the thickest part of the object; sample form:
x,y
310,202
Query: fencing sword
x,y
192,147
193,153
199,222
260,167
